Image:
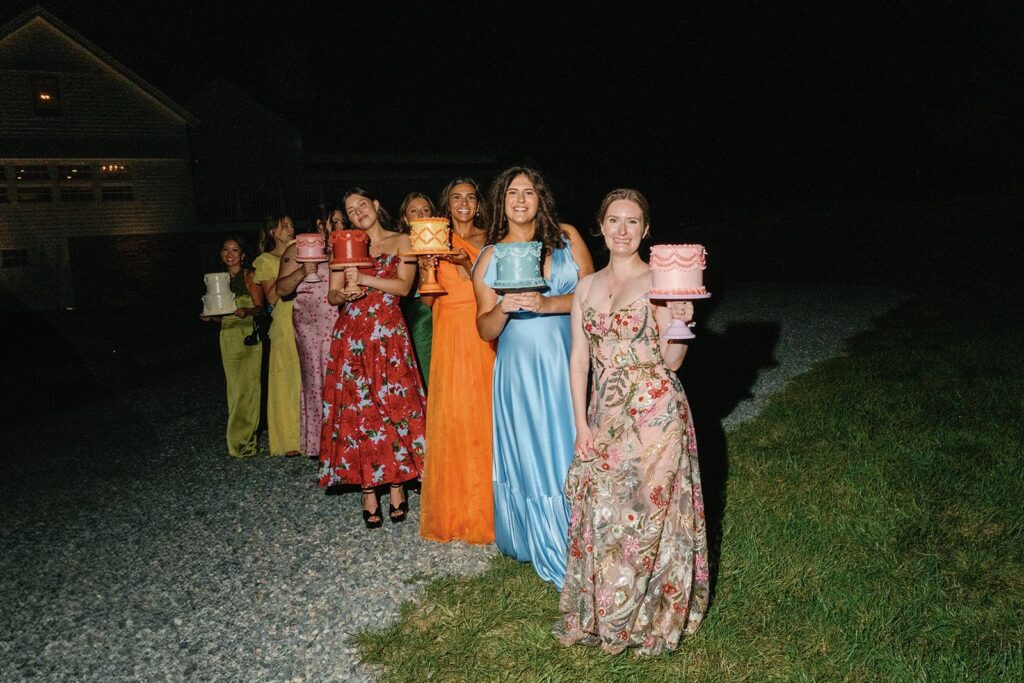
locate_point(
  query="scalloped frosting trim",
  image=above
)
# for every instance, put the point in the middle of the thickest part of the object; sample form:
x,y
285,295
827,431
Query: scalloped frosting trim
x,y
679,291
678,257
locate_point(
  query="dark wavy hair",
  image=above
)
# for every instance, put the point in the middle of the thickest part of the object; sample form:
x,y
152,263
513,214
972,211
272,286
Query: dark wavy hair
x,y
266,241
548,232
480,220
383,217
403,224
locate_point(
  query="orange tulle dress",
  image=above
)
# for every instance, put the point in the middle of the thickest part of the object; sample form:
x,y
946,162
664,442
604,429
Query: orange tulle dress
x,y
457,502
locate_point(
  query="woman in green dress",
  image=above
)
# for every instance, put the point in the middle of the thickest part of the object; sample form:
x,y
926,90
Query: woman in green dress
x,y
417,316
242,363
284,378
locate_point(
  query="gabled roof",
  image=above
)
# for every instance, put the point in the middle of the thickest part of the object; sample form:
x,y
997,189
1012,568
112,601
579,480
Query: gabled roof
x,y
37,12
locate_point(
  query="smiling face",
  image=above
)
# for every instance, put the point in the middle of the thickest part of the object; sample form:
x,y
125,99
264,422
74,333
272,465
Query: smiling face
x,y
231,254
521,201
623,226
361,211
463,203
418,207
285,231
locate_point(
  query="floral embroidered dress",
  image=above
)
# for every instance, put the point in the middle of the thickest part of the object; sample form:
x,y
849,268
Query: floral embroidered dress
x,y
638,566
374,417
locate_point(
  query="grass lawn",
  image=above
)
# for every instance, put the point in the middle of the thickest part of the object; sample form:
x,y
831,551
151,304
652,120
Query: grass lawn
x,y
872,530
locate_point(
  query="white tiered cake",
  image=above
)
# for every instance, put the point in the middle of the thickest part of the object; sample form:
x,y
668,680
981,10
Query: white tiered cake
x,y
219,299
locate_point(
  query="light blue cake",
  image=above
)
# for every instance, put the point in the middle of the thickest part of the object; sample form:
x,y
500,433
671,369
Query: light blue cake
x,y
517,266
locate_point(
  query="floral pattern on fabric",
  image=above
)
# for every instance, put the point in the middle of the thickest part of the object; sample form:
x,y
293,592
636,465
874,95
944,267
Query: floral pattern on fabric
x,y
373,402
638,564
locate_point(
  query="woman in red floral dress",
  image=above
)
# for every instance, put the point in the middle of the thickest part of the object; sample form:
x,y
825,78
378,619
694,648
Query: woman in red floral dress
x,y
374,404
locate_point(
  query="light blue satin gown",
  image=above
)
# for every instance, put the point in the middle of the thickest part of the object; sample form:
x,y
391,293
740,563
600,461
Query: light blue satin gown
x,y
534,430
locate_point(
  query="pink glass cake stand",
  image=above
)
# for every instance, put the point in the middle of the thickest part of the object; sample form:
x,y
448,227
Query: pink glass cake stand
x,y
312,277
678,329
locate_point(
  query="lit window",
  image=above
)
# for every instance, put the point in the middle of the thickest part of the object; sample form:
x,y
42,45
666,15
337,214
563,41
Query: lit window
x,y
31,173
76,194
74,172
118,193
46,95
38,194
9,258
115,172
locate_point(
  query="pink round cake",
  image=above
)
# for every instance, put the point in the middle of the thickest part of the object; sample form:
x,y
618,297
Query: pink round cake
x,y
309,247
677,269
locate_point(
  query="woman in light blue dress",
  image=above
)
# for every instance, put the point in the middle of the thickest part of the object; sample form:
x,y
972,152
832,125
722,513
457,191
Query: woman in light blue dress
x,y
533,420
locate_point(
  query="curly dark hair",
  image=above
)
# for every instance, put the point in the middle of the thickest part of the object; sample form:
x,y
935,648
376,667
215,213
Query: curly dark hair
x,y
403,224
548,232
383,217
480,219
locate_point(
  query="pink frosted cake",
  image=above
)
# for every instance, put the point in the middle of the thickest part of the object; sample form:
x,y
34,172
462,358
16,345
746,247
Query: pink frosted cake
x,y
677,269
309,248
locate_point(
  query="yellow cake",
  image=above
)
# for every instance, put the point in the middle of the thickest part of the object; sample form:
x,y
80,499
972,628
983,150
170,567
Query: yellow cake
x,y
430,234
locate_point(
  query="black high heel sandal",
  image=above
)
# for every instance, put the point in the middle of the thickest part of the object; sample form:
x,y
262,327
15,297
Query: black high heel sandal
x,y
402,509
374,524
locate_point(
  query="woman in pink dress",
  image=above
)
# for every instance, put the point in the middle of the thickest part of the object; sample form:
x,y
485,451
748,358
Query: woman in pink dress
x,y
313,317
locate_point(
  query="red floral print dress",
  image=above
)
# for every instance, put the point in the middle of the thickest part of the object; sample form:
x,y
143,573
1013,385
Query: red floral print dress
x,y
374,404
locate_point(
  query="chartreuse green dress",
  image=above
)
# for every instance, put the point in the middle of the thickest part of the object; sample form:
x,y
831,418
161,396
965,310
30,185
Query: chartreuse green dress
x,y
284,379
242,366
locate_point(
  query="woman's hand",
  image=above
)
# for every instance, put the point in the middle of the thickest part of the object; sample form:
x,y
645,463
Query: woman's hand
x,y
531,301
309,268
681,310
459,259
241,312
351,277
584,446
509,303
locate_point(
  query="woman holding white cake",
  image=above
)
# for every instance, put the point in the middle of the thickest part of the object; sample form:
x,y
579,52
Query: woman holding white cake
x,y
456,501
313,318
533,421
373,430
637,571
284,376
242,363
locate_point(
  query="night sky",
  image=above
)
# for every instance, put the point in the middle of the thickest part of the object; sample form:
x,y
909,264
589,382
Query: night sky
x,y
703,107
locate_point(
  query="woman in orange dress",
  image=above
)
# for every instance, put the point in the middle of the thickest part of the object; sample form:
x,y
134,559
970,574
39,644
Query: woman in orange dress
x,y
456,500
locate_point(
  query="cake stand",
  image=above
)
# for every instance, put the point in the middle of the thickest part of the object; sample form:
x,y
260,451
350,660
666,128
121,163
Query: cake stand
x,y
513,288
429,283
678,329
312,277
342,265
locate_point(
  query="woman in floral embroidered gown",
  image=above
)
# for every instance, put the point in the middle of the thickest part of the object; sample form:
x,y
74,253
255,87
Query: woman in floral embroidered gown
x,y
637,571
374,422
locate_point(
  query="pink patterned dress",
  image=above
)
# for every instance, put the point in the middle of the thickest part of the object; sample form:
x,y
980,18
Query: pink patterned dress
x,y
637,572
374,418
314,320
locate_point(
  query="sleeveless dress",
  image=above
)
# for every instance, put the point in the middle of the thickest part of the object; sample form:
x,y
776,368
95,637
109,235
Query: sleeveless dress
x,y
638,562
456,500
534,430
242,365
419,320
284,377
373,403
314,319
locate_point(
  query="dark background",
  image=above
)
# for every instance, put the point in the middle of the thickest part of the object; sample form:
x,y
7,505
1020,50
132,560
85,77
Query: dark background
x,y
706,107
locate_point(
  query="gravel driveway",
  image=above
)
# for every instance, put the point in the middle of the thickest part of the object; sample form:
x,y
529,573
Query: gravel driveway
x,y
133,548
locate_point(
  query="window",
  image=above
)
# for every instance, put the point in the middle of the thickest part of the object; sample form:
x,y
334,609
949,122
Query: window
x,y
9,258
115,172
118,193
38,194
74,172
46,95
32,172
76,194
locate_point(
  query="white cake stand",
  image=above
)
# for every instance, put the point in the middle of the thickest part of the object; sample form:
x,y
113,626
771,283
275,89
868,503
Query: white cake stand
x,y
678,329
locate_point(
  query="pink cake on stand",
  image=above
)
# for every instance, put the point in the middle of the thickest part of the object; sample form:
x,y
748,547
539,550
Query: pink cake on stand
x,y
310,247
677,274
